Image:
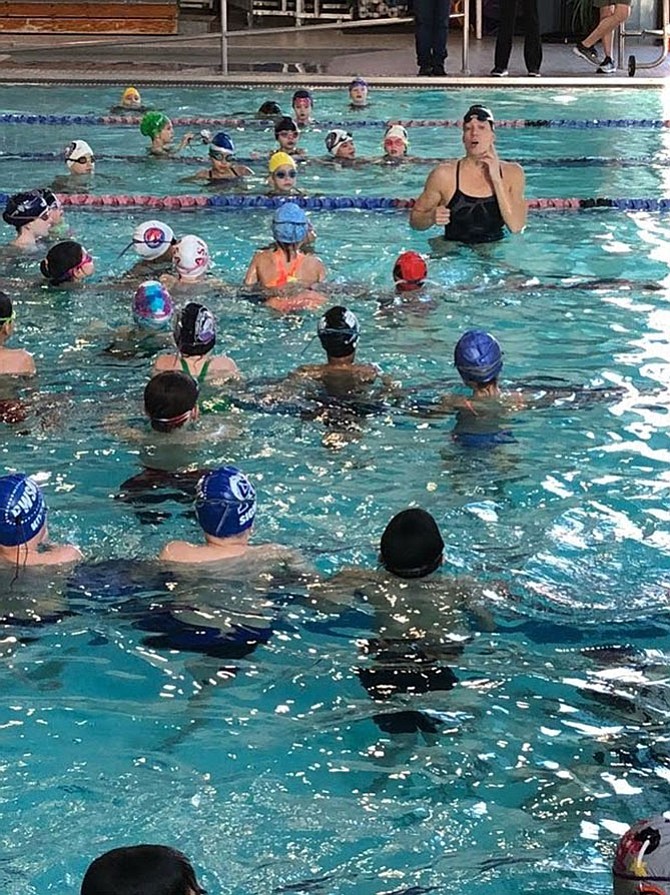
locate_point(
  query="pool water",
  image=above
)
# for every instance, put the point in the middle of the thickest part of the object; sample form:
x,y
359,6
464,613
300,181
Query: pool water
x,y
271,770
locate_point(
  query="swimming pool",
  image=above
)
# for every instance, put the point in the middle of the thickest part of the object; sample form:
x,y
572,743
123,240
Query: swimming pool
x,y
279,778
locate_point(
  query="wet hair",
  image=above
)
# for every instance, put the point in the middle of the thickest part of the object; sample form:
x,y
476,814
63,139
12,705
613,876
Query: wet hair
x,y
145,869
269,109
60,261
168,399
411,546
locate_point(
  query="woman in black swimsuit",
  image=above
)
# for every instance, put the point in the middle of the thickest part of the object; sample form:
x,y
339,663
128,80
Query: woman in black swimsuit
x,y
476,197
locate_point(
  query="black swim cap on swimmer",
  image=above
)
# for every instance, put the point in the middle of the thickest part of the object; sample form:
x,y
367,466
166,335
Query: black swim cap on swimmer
x,y
6,309
411,546
338,332
194,330
61,259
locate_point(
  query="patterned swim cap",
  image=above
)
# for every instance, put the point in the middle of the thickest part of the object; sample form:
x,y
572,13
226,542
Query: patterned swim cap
x,y
194,330
151,239
338,331
222,143
225,502
23,512
77,150
152,305
23,208
336,138
191,256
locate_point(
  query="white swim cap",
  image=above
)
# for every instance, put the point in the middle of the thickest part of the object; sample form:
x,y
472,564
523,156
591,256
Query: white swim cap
x,y
397,131
191,256
152,238
76,150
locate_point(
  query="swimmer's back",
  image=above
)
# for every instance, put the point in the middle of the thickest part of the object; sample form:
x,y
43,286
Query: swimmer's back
x,y
16,362
216,368
250,559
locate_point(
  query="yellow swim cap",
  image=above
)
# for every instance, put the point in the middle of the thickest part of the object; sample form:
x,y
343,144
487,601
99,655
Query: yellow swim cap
x,y
131,94
277,159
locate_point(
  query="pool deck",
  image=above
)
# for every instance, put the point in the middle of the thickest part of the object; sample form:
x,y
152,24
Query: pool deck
x,y
384,54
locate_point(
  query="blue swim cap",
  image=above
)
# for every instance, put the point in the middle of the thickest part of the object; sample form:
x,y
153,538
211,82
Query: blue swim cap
x,y
222,143
478,357
289,224
22,510
152,305
225,502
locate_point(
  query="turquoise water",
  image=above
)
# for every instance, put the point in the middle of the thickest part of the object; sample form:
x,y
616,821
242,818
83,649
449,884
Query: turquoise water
x,y
278,778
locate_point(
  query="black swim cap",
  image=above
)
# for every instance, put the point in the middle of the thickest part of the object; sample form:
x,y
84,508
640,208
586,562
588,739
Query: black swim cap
x,y
411,546
6,309
338,332
61,260
194,330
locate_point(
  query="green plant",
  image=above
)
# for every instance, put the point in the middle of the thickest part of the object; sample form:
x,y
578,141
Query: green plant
x,y
582,15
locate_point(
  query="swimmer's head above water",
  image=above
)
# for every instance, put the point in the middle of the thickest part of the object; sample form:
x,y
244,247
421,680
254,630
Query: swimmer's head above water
x,y
290,225
67,262
158,127
131,99
152,306
409,271
7,317
340,144
151,240
283,172
358,92
225,502
150,869
191,258
171,400
395,142
338,332
194,330
411,546
478,132
268,109
302,104
642,860
478,358
23,512
79,157
28,210
287,134
221,146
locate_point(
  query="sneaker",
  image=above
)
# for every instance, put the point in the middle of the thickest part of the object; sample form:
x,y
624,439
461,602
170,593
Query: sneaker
x,y
426,71
607,66
588,53
438,71
534,74
499,72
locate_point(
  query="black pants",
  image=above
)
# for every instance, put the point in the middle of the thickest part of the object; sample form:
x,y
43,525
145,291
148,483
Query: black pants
x,y
431,26
532,47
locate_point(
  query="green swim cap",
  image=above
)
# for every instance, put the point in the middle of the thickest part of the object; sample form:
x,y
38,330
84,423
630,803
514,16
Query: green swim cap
x,y
153,123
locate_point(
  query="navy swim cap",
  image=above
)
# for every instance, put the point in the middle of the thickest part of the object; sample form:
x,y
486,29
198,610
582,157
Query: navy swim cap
x,y
338,331
411,546
23,208
222,143
225,502
22,510
194,330
289,224
478,357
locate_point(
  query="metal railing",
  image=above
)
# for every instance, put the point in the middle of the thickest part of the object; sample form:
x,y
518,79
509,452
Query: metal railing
x,y
226,35
663,33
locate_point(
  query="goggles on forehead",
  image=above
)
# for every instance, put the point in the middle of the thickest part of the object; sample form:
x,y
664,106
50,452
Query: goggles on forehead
x,y
480,113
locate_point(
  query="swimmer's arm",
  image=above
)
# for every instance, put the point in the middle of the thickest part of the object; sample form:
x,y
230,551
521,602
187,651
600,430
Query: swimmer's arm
x,y
29,368
320,271
195,178
343,588
183,143
174,551
510,195
429,208
62,554
251,276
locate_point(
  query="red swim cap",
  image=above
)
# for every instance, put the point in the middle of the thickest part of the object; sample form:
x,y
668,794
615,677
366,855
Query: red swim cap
x,y
410,270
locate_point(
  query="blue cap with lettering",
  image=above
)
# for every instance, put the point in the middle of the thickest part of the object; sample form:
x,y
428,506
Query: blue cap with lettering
x,y
23,512
225,502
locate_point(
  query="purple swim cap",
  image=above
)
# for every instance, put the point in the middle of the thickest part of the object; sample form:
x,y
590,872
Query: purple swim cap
x,y
23,512
225,502
152,305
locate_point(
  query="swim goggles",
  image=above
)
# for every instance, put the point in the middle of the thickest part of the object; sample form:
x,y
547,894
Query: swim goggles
x,y
5,320
86,258
82,160
221,155
481,113
286,175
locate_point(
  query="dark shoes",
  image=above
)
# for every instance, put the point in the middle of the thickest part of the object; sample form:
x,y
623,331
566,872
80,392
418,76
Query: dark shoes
x,y
438,71
588,53
426,71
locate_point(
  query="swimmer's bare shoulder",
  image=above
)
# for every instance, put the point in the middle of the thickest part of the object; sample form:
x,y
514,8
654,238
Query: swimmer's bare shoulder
x,y
438,190
17,362
359,372
180,552
56,555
